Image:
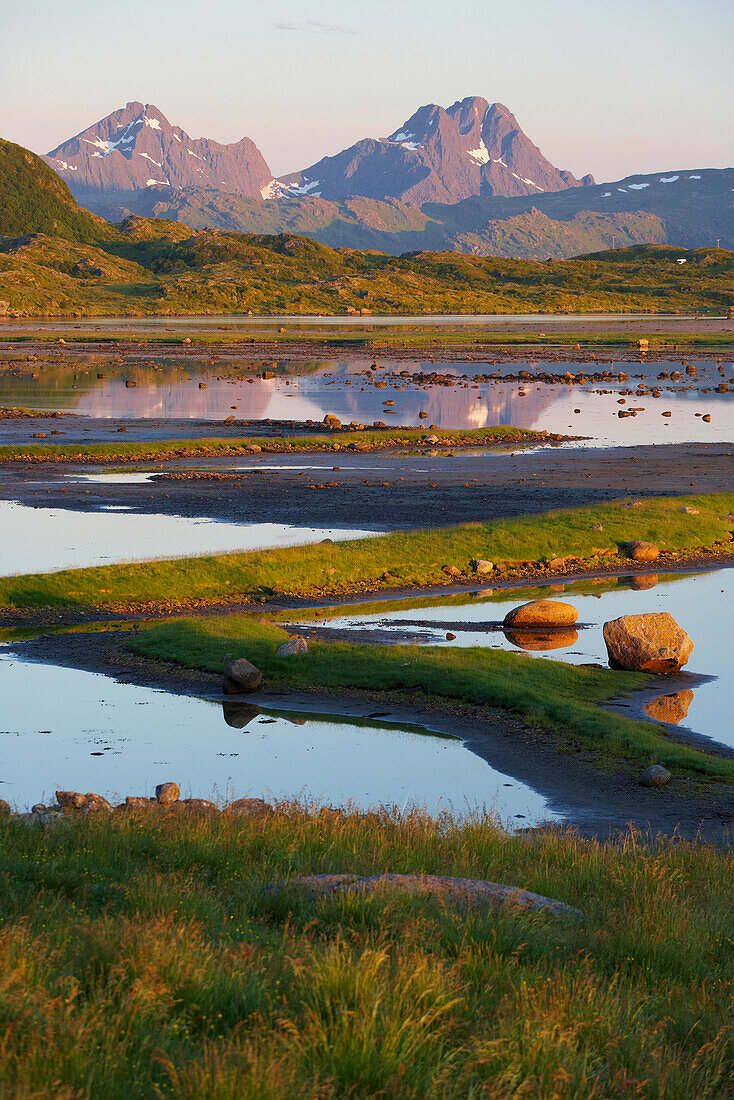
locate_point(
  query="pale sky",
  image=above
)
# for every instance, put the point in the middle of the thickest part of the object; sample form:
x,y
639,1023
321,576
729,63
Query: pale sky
x,y
610,88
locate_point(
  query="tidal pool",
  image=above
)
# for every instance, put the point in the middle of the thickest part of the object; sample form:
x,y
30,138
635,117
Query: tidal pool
x,y
44,540
349,390
64,728
701,602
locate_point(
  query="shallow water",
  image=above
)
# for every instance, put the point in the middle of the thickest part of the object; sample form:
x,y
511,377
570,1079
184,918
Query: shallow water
x,y
41,540
702,604
63,728
308,391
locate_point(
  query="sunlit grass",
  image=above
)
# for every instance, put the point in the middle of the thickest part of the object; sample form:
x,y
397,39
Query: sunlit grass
x,y
396,560
143,959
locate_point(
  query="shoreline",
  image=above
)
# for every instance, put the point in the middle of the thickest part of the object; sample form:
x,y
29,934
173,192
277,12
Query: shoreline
x,y
595,799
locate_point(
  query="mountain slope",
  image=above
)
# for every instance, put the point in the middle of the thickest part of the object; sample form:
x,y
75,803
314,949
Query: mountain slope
x,y
34,200
471,148
137,147
690,209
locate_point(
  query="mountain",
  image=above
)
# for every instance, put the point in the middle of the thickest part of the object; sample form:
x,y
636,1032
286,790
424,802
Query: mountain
x,y
34,200
471,148
687,208
137,147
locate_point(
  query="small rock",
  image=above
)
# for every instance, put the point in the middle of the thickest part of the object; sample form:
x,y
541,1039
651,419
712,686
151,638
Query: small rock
x,y
542,613
249,807
450,637
597,527
642,551
655,776
166,793
198,806
689,511
483,566
241,676
5,808
292,648
134,803
430,439
451,571
70,800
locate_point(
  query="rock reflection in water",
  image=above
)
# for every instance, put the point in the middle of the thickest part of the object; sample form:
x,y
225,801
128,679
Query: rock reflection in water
x,y
238,715
642,583
542,639
670,708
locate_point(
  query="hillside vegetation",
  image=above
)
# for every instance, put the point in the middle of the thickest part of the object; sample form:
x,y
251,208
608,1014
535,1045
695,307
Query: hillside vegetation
x,y
34,200
58,260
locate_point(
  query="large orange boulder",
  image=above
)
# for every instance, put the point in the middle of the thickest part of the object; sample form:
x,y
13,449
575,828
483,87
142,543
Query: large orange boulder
x,y
542,613
647,643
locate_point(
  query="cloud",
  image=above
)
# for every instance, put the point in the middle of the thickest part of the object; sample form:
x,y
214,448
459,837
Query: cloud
x,y
312,26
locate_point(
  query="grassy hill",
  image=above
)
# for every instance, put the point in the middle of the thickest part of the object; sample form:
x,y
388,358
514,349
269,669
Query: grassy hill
x,y
34,200
689,209
59,260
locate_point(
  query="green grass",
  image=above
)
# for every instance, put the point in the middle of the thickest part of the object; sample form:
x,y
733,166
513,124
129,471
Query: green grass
x,y
564,699
413,558
142,959
222,447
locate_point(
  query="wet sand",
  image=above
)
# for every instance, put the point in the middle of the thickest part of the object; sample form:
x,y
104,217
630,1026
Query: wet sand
x,y
386,491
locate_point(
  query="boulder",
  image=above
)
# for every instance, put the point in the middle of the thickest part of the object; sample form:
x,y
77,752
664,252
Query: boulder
x,y
542,613
466,892
135,804
670,708
240,676
96,803
166,793
70,800
5,808
655,776
248,807
198,806
451,571
292,648
642,551
483,566
647,643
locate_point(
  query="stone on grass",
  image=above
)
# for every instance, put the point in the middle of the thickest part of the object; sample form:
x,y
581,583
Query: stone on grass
x,y
542,613
451,571
5,808
249,807
96,803
481,565
70,800
647,643
166,793
241,676
292,648
135,804
466,892
643,551
689,511
655,776
197,806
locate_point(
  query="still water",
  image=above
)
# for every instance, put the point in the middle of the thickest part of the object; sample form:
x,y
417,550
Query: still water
x,y
43,540
346,389
702,604
64,728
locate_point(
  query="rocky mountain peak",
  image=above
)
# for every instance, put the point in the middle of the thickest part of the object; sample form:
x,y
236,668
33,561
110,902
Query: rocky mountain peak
x,y
137,147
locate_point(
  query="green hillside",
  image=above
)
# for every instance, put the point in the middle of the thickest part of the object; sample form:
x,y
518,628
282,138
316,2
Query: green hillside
x,y
687,209
34,200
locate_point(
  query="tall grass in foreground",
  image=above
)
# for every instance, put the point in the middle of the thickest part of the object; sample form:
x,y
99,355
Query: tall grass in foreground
x,y
141,958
